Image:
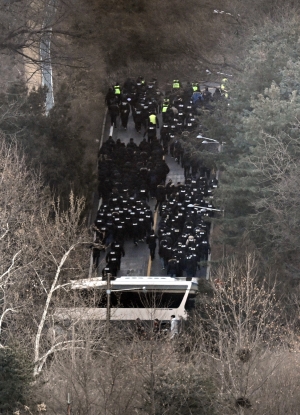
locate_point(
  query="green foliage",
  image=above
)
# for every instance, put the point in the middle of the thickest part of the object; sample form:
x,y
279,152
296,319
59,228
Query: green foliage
x,y
267,159
63,156
15,380
50,142
260,125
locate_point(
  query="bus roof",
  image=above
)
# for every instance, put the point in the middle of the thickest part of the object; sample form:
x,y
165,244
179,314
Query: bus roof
x,y
137,283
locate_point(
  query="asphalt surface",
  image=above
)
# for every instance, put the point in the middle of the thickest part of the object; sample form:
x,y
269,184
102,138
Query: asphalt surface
x,y
136,261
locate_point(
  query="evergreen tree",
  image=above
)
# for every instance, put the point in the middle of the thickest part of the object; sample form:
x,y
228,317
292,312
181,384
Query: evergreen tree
x,y
260,126
15,380
49,142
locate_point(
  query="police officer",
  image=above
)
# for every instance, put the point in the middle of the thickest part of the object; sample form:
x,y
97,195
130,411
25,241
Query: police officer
x,y
162,252
114,257
160,196
186,163
151,241
164,108
97,247
176,85
153,119
113,112
195,86
124,113
206,95
117,91
132,144
217,94
135,229
224,87
190,122
110,268
118,248
141,84
151,132
191,266
109,97
187,93
173,268
128,85
138,117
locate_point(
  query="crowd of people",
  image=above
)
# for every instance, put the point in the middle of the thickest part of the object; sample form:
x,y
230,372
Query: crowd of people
x,y
183,230
144,101
130,174
128,177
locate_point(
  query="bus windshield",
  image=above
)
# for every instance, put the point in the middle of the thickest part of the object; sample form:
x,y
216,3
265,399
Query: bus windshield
x,y
131,299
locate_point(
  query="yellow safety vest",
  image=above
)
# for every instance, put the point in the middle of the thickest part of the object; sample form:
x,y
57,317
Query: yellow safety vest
x,y
117,90
195,87
224,87
164,108
223,84
176,84
152,118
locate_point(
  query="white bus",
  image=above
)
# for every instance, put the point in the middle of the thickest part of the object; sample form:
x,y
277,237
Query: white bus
x,y
131,297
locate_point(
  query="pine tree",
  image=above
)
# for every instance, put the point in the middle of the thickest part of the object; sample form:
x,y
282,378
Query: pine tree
x,y
262,145
15,380
50,143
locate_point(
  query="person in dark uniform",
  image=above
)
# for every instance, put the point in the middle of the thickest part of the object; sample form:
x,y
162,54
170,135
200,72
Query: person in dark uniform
x,y
156,327
132,144
97,247
206,95
110,268
135,229
173,268
138,117
112,256
151,241
204,250
190,266
162,252
217,94
160,196
140,328
186,163
151,132
169,188
109,97
113,112
124,113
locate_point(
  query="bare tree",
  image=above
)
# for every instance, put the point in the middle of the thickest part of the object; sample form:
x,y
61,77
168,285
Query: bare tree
x,y
240,336
25,24
42,247
63,229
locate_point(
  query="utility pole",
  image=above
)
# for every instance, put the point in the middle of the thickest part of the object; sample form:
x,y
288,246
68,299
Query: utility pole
x,y
108,293
68,405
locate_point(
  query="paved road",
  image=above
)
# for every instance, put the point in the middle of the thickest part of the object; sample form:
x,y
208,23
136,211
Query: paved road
x,y
136,261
